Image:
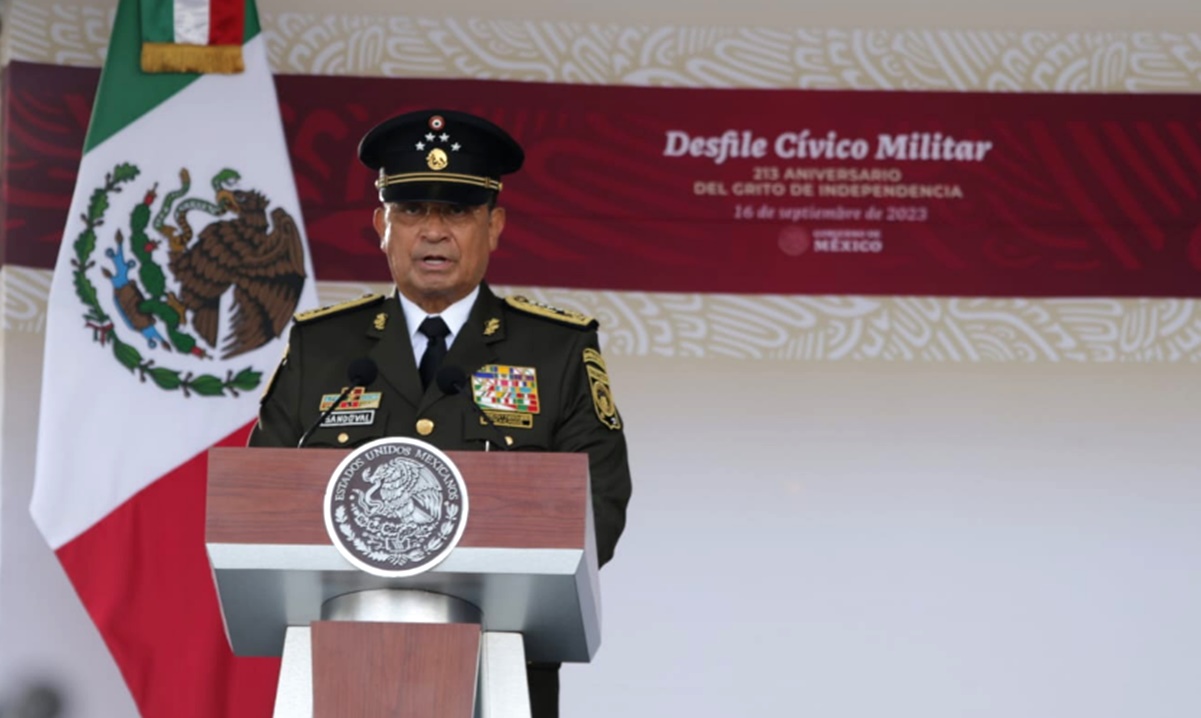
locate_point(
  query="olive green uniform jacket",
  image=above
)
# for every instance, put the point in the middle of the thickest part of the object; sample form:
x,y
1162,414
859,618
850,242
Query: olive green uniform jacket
x,y
575,408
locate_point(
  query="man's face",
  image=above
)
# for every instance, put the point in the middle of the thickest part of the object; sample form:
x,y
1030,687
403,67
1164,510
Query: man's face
x,y
438,252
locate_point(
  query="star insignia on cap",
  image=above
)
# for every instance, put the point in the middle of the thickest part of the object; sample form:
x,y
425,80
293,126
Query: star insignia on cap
x,y
443,137
430,137
421,145
455,147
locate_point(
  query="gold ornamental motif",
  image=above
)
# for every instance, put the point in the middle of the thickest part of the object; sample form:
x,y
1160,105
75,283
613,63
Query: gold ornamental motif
x,y
381,321
538,309
437,159
331,310
425,427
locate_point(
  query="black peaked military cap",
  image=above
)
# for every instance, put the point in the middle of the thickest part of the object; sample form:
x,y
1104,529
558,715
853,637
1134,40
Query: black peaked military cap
x,y
439,156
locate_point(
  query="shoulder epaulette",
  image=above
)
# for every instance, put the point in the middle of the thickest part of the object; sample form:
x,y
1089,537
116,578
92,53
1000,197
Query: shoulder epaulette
x,y
546,311
313,314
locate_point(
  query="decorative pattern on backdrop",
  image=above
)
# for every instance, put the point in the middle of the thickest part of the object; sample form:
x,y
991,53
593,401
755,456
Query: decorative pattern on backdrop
x,y
592,53
819,328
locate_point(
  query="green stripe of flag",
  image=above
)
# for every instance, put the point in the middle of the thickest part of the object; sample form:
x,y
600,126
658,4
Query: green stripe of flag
x,y
158,20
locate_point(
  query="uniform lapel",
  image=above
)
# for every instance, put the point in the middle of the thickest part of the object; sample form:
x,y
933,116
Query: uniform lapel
x,y
474,346
393,353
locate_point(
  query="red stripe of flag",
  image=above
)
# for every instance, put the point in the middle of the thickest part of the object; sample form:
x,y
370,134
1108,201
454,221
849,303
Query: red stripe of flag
x,y
227,22
143,574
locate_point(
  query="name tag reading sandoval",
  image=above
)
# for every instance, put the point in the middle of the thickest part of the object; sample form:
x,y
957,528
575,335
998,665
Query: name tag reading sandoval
x,y
396,507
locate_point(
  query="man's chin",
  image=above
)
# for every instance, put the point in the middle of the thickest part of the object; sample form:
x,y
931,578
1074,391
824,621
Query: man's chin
x,y
431,294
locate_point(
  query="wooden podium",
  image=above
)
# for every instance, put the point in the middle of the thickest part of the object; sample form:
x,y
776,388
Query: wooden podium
x,y
453,641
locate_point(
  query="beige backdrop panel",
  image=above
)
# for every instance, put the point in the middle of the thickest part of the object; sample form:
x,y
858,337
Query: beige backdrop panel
x,y
897,47
1069,16
825,328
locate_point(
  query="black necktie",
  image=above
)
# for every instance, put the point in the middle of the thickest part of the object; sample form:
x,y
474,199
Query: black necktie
x,y
435,351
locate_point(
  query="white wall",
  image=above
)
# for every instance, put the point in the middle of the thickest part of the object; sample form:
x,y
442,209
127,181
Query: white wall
x,y
45,635
920,541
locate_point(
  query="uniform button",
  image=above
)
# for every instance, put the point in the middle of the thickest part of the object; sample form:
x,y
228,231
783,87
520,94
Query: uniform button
x,y
425,427
343,437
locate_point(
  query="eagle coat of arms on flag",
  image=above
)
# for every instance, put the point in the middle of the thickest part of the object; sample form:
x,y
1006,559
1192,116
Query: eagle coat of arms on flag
x,y
170,266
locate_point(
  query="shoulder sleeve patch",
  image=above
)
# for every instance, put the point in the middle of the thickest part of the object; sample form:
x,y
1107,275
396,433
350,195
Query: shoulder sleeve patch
x,y
602,395
546,311
322,312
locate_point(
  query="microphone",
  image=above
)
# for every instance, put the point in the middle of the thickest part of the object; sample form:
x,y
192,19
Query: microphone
x,y
453,380
361,372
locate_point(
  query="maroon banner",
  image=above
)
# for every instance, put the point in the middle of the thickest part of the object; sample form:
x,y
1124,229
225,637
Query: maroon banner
x,y
751,191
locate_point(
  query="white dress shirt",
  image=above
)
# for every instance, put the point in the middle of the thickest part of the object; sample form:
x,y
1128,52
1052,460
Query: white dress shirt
x,y
455,317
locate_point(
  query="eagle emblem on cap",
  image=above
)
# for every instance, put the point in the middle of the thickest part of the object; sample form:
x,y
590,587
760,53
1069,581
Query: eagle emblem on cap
x,y
437,159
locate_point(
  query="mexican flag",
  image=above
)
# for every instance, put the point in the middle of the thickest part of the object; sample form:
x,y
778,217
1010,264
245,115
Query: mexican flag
x,y
182,263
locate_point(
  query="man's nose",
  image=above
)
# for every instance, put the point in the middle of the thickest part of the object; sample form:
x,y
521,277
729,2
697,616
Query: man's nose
x,y
433,224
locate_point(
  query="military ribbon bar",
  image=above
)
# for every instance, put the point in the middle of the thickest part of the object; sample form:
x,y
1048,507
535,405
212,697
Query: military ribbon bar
x,y
506,388
193,35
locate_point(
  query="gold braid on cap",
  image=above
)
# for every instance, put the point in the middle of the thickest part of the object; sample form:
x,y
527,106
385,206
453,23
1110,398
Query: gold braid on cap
x,y
485,182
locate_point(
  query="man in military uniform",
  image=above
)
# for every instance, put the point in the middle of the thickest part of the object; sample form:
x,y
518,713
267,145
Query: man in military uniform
x,y
445,340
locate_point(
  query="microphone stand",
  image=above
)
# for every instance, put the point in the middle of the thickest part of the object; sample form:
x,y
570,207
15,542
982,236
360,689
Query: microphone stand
x,y
324,415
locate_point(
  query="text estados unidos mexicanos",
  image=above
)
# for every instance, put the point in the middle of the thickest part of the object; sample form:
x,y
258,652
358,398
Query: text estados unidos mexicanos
x,y
909,146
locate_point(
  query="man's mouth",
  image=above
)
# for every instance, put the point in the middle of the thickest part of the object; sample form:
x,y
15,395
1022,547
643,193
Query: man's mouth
x,y
434,261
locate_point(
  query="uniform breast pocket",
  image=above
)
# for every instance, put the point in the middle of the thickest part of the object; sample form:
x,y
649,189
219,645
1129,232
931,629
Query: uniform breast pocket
x,y
520,432
349,429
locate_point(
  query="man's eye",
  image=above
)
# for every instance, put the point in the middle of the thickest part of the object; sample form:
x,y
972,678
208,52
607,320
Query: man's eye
x,y
457,210
412,209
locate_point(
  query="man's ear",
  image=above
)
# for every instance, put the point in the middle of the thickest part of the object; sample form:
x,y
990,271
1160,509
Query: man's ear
x,y
496,225
380,221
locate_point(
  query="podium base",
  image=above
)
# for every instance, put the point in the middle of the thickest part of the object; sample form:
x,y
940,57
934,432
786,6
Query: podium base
x,y
454,659
504,690
294,691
